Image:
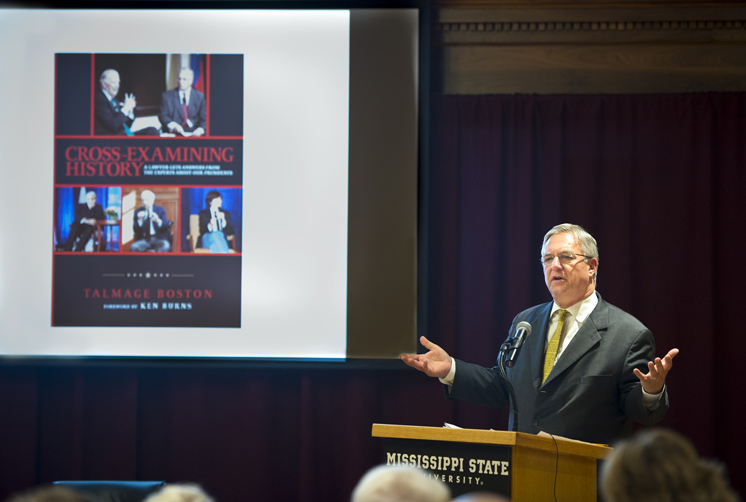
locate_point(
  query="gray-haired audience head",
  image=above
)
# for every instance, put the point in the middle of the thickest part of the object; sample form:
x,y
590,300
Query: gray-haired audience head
x,y
388,483
180,492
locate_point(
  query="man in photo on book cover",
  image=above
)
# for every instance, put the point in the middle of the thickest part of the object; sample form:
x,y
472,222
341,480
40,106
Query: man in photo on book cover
x,y
113,117
184,109
151,226
84,224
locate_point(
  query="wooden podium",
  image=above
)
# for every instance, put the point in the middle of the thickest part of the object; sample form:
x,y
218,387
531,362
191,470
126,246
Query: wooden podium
x,y
523,467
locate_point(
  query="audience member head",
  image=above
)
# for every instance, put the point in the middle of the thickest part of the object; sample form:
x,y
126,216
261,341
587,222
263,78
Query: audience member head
x,y
185,492
52,494
660,465
481,497
388,483
110,82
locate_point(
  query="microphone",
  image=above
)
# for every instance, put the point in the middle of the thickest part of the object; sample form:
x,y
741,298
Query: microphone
x,y
521,332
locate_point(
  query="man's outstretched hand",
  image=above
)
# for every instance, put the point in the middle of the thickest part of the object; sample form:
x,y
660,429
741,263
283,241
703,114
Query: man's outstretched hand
x,y
435,363
653,382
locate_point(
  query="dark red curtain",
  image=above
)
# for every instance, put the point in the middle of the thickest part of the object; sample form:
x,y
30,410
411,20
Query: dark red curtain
x,y
659,180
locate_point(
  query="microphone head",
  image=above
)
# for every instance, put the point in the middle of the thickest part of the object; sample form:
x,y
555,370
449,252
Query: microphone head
x,y
524,325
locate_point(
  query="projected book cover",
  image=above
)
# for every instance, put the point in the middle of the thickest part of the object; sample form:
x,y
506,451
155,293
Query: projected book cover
x,y
148,190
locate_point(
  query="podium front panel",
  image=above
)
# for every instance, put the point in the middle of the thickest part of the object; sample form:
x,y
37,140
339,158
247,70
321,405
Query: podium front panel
x,y
464,467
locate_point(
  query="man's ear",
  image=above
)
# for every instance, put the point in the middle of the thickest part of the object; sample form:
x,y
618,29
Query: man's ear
x,y
592,266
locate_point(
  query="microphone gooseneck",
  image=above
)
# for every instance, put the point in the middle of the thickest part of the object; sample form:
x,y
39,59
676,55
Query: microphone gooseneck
x,y
507,356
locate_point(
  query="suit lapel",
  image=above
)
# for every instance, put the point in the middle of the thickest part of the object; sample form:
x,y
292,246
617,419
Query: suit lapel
x,y
585,339
113,106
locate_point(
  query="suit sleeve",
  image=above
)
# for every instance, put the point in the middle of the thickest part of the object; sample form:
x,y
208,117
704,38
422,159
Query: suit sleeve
x,y
640,352
98,212
481,385
201,117
137,229
79,211
161,212
109,121
228,230
166,112
477,384
204,220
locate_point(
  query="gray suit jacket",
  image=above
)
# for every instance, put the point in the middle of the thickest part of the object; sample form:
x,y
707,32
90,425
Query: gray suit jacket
x,y
171,109
591,394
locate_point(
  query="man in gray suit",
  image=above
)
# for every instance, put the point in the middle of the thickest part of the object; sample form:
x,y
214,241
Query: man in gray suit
x,y
598,377
184,109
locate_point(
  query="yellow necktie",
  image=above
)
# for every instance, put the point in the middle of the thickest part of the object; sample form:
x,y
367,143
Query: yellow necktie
x,y
551,354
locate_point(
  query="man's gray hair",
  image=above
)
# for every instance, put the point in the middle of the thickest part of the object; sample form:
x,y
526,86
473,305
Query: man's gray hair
x,y
180,492
105,74
399,483
585,240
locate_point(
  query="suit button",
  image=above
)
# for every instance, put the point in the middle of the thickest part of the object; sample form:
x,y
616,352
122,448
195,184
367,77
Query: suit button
x,y
536,422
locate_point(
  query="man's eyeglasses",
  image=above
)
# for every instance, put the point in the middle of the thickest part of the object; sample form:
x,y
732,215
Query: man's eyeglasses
x,y
564,258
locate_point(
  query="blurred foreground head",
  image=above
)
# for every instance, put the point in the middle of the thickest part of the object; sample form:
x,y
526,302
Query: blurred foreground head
x,y
660,465
180,493
389,483
52,494
481,497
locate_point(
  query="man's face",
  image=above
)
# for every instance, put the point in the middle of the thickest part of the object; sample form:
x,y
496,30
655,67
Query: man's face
x,y
571,282
216,202
185,80
90,198
111,83
147,199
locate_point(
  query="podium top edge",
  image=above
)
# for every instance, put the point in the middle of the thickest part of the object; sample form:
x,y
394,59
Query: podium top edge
x,y
506,438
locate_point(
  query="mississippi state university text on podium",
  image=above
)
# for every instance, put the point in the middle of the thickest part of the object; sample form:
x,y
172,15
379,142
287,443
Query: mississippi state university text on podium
x,y
521,466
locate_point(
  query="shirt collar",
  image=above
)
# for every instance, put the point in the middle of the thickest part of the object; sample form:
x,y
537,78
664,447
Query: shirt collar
x,y
581,310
